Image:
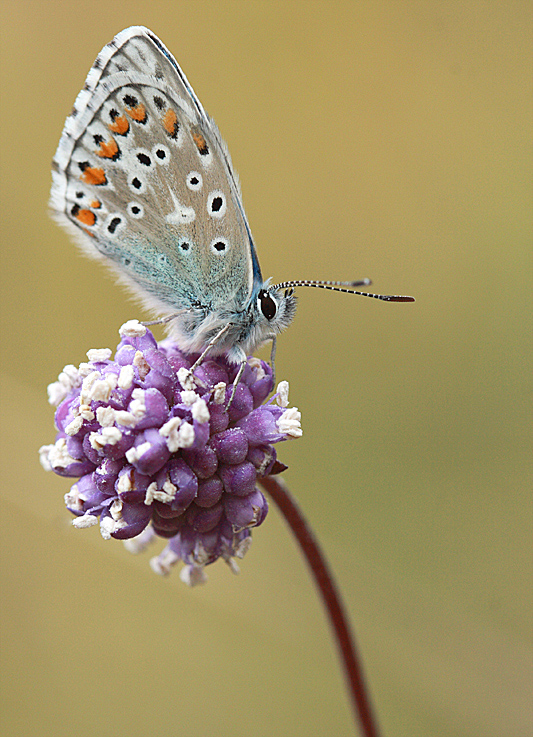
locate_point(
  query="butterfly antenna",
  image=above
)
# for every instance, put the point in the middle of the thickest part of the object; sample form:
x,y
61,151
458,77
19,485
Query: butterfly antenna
x,y
350,287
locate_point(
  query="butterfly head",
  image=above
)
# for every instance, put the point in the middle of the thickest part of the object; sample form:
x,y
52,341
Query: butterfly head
x,y
276,307
271,311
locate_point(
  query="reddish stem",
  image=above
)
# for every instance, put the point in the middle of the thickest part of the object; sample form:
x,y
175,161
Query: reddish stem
x,y
317,563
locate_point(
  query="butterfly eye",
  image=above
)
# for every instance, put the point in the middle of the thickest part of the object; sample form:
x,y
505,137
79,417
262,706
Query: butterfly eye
x,y
267,304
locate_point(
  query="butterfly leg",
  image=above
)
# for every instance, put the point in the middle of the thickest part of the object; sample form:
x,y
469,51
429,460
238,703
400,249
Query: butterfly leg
x,y
161,320
214,340
208,347
242,366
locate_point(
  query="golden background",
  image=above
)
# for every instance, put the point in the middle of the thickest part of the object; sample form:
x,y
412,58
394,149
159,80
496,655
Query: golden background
x,y
376,138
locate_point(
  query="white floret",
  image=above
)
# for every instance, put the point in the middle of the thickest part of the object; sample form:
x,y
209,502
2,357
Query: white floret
x,y
59,457
125,419
74,499
100,390
142,365
125,377
44,453
132,329
97,355
290,423
111,524
74,426
170,431
85,411
282,398
105,416
219,394
186,378
87,520
135,453
107,436
193,575
125,482
162,563
186,435
199,410
138,404
243,547
257,364
85,368
188,397
67,380
166,494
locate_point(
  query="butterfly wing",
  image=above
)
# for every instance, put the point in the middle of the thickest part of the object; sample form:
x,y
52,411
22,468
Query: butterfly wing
x,y
144,180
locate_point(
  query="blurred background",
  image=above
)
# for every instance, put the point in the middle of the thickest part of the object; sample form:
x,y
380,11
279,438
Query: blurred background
x,y
373,138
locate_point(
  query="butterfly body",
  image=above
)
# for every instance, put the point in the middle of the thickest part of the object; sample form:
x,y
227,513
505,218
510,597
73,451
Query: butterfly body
x,y
143,180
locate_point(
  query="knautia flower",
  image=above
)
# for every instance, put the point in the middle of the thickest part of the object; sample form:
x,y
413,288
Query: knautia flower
x,y
157,450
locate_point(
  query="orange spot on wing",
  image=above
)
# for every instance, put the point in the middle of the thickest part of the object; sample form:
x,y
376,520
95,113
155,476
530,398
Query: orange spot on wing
x,y
95,204
93,175
86,217
119,126
170,123
137,113
88,232
201,143
108,150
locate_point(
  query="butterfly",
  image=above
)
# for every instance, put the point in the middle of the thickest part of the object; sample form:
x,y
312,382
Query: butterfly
x,y
144,181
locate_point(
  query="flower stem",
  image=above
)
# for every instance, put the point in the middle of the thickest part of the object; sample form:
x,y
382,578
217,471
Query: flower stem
x,y
335,609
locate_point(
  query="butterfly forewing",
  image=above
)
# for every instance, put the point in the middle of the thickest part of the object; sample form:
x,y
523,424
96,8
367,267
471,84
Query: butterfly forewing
x,y
144,177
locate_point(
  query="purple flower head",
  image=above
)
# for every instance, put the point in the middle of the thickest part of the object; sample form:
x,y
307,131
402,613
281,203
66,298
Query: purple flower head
x,y
157,452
